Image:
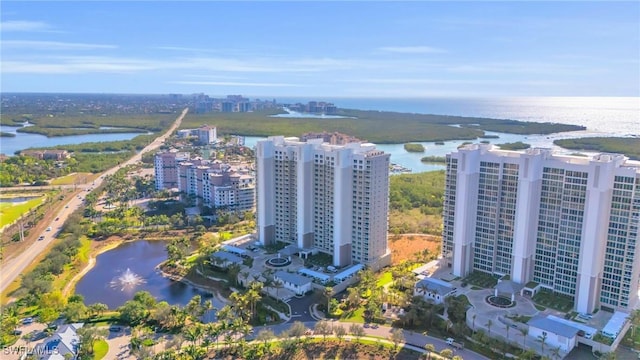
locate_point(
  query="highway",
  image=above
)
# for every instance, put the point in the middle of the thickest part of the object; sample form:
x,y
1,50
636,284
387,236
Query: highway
x,y
13,267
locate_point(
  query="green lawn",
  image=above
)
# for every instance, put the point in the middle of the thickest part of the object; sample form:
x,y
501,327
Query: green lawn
x,y
356,316
100,349
10,212
384,279
554,301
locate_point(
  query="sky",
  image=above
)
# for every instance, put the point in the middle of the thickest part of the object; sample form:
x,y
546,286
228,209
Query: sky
x,y
331,49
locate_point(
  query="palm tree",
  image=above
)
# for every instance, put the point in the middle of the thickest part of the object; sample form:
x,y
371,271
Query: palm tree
x,y
328,293
524,331
488,324
543,339
278,285
429,348
473,322
555,352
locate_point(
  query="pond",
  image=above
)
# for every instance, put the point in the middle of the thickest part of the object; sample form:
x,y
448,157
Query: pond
x,y
119,273
17,199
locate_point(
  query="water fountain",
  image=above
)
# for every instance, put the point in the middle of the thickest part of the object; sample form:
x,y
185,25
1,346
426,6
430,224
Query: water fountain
x,y
127,281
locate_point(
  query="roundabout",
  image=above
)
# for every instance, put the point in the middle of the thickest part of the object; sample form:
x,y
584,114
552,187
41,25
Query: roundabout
x,y
278,262
500,301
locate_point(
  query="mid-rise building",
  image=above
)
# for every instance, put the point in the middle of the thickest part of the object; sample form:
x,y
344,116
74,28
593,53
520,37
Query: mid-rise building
x,y
207,135
166,168
212,183
567,223
322,197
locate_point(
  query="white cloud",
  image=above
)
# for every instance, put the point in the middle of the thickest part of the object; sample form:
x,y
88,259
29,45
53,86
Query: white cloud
x,y
412,49
21,25
412,81
53,45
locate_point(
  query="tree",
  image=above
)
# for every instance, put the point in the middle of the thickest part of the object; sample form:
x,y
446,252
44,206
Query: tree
x,y
543,340
265,335
75,311
145,298
447,353
524,332
353,297
277,284
89,336
133,312
194,333
233,270
323,328
97,309
397,336
356,330
488,324
340,331
328,294
473,322
297,329
555,352
429,348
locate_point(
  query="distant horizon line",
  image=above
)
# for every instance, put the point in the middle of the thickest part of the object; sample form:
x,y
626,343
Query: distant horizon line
x,y
328,96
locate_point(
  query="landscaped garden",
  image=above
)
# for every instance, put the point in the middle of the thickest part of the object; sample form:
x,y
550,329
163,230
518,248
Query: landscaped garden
x,y
481,279
555,301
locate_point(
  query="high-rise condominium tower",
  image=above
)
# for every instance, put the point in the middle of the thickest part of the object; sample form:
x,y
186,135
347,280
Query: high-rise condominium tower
x,y
321,197
566,223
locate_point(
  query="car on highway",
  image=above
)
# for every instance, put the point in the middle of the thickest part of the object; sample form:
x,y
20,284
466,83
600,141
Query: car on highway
x,y
41,237
57,218
49,228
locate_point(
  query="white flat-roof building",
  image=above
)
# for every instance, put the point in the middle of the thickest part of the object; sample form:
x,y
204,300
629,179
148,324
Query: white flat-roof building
x,y
569,223
331,198
433,289
297,283
556,334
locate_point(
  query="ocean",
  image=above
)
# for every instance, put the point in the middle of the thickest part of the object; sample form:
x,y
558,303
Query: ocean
x,y
606,116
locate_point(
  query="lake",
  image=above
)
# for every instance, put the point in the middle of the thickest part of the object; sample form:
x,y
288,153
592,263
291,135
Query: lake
x,y
22,141
131,267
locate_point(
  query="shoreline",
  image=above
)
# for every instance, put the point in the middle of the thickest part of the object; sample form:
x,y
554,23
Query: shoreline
x,y
214,292
91,263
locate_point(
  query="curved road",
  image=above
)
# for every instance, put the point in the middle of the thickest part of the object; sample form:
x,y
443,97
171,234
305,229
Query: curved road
x,y
13,267
411,338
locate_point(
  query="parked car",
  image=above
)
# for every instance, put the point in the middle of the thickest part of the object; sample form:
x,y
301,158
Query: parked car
x,y
27,321
114,328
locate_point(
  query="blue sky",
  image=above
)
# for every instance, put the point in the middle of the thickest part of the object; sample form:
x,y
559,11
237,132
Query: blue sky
x,y
332,49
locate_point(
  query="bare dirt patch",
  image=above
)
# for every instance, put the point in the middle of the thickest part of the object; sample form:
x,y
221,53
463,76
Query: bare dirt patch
x,y
412,246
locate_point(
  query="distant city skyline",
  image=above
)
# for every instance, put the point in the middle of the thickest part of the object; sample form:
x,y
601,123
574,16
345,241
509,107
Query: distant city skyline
x,y
323,49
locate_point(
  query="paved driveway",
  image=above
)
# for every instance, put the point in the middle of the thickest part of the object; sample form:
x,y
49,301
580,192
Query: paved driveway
x,y
22,346
301,307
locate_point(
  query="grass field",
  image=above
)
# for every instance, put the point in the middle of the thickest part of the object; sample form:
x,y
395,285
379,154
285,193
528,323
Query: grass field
x,y
10,212
75,178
